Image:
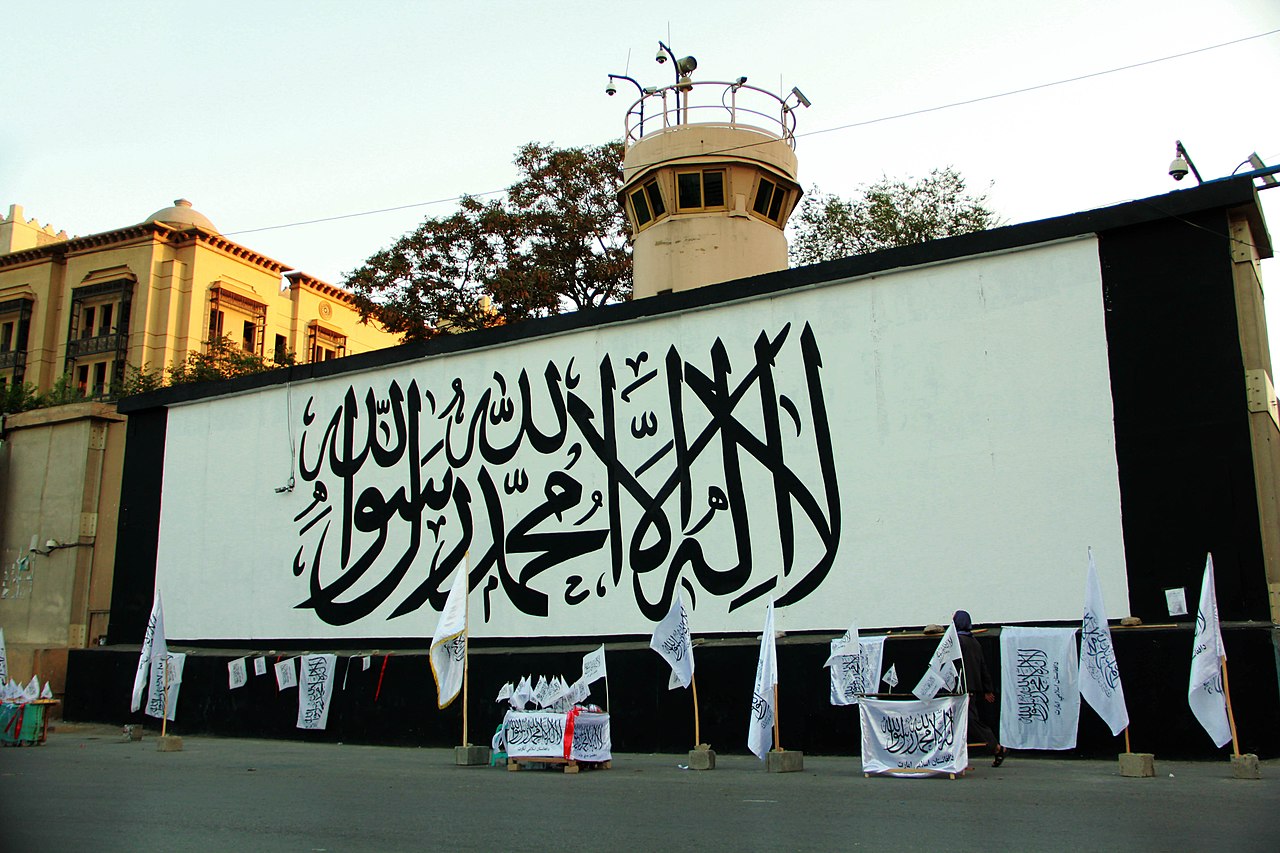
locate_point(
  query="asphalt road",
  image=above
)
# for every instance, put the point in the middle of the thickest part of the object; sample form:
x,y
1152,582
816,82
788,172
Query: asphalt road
x,y
85,790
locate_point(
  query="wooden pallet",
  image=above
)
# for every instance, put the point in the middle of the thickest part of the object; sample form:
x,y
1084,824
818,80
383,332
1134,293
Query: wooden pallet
x,y
569,765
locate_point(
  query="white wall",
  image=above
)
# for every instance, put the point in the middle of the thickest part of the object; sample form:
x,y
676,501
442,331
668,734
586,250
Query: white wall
x,y
970,443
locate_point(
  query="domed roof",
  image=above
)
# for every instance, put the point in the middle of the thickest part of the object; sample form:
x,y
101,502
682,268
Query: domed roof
x,y
182,214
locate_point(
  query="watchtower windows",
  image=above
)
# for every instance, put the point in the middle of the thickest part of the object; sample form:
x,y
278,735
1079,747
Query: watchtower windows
x,y
703,190
646,204
770,199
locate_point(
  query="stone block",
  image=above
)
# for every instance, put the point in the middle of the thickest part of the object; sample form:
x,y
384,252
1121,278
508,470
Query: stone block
x,y
702,758
783,761
1137,764
169,743
1245,766
471,756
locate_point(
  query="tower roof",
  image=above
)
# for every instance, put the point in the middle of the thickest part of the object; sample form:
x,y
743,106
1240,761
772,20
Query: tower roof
x,y
183,214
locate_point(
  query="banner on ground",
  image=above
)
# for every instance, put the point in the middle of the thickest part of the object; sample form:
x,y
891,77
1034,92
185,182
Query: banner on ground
x,y
542,734
919,737
316,690
852,675
1040,702
1099,674
1205,693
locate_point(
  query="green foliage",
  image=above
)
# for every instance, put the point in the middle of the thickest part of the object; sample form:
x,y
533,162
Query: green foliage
x,y
557,241
18,398
221,359
891,212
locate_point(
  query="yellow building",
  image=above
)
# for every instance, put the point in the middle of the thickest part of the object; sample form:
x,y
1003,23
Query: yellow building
x,y
147,295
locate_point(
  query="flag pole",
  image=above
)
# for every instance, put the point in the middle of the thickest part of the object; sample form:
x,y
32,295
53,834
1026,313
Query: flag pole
x,y
466,643
697,727
1126,740
164,714
1231,717
777,738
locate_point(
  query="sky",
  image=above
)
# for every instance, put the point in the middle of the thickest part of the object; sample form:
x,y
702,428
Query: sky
x,y
270,114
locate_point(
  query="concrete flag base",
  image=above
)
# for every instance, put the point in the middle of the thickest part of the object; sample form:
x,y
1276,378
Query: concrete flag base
x,y
702,757
1245,766
169,743
783,761
1139,765
471,756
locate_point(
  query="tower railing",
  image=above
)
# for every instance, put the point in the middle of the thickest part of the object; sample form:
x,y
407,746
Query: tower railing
x,y
705,103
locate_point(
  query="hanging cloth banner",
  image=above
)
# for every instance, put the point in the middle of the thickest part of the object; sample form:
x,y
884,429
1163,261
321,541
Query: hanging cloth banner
x,y
153,647
316,690
237,674
1100,676
915,738
173,662
854,675
1040,702
1205,693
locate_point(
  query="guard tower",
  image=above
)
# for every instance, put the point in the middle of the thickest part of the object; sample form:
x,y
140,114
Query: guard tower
x,y
709,179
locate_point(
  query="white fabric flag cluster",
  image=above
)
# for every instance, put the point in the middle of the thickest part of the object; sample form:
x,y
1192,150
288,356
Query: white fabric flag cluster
x,y
522,694
165,670
760,730
1205,692
153,647
671,640
31,692
1099,674
449,644
1040,704
316,691
853,675
845,645
942,668
593,668
4,660
915,739
505,692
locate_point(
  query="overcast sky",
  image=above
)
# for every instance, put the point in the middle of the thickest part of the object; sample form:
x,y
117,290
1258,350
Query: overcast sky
x,y
266,114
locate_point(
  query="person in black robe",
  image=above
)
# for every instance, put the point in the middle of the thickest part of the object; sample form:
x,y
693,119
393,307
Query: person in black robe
x,y
978,682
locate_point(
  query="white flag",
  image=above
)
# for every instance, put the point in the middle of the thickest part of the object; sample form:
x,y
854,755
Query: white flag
x,y
847,645
237,673
316,692
855,675
760,731
1040,700
1099,675
46,692
260,666
671,640
286,675
948,650
891,677
4,660
505,692
153,648
449,644
930,684
578,692
1205,694
522,694
541,695
166,677
32,691
593,668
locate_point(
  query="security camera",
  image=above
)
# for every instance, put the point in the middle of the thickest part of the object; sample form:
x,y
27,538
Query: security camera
x,y
661,57
800,96
1178,169
611,89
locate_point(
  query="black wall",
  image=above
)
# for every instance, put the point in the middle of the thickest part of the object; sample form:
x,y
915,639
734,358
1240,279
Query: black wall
x,y
134,581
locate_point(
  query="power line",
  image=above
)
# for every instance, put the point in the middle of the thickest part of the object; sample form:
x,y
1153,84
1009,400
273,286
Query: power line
x,y
864,123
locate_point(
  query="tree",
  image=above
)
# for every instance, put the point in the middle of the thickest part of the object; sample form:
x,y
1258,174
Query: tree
x,y
557,241
890,212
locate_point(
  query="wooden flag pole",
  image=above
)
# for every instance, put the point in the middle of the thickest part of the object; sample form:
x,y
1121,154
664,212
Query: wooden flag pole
x,y
1126,740
697,726
466,643
777,738
1231,717
164,714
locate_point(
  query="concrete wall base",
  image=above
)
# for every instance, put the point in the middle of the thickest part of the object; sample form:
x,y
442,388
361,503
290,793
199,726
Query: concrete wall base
x,y
471,756
1245,766
1137,764
702,758
169,743
784,761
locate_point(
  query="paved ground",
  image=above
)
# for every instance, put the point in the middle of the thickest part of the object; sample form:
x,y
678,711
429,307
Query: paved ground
x,y
86,790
